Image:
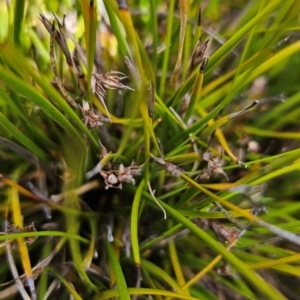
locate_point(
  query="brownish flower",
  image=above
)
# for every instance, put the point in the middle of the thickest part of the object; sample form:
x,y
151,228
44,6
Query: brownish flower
x,y
224,233
101,82
214,165
198,53
115,178
91,119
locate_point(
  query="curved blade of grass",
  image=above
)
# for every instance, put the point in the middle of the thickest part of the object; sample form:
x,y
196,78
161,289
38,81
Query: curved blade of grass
x,y
43,280
43,52
18,221
20,150
161,274
276,230
177,267
196,90
214,128
21,86
147,279
117,27
147,64
188,194
218,87
90,22
270,63
18,21
36,133
153,26
274,262
86,263
75,159
10,236
289,270
273,134
284,15
226,48
224,144
5,97
198,29
131,35
197,126
183,6
241,267
183,148
284,170
220,186
148,129
23,139
217,124
275,163
271,117
240,287
208,215
168,46
134,224
162,108
244,79
72,229
4,23
191,192
134,45
246,48
182,159
188,45
263,67
143,291
209,267
121,283
69,287
166,234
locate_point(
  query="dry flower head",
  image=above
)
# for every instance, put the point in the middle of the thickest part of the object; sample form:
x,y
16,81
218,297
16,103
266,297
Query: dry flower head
x,y
115,178
224,233
198,53
11,228
214,165
91,119
111,80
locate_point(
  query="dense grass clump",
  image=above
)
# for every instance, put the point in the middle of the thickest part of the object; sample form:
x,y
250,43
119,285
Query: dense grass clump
x,y
149,149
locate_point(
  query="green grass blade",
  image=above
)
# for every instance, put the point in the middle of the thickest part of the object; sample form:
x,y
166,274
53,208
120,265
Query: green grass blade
x,y
143,291
167,50
23,139
246,271
226,48
19,11
134,224
121,283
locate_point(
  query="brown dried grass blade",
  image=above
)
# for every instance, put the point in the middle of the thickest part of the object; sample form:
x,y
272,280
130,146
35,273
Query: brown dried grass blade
x,y
183,4
17,217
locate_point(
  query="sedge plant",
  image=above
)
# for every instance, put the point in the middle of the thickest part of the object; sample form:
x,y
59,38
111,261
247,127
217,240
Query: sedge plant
x,y
149,149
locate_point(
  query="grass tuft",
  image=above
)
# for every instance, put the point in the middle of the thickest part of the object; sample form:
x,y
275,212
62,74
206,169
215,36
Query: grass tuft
x,y
149,149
